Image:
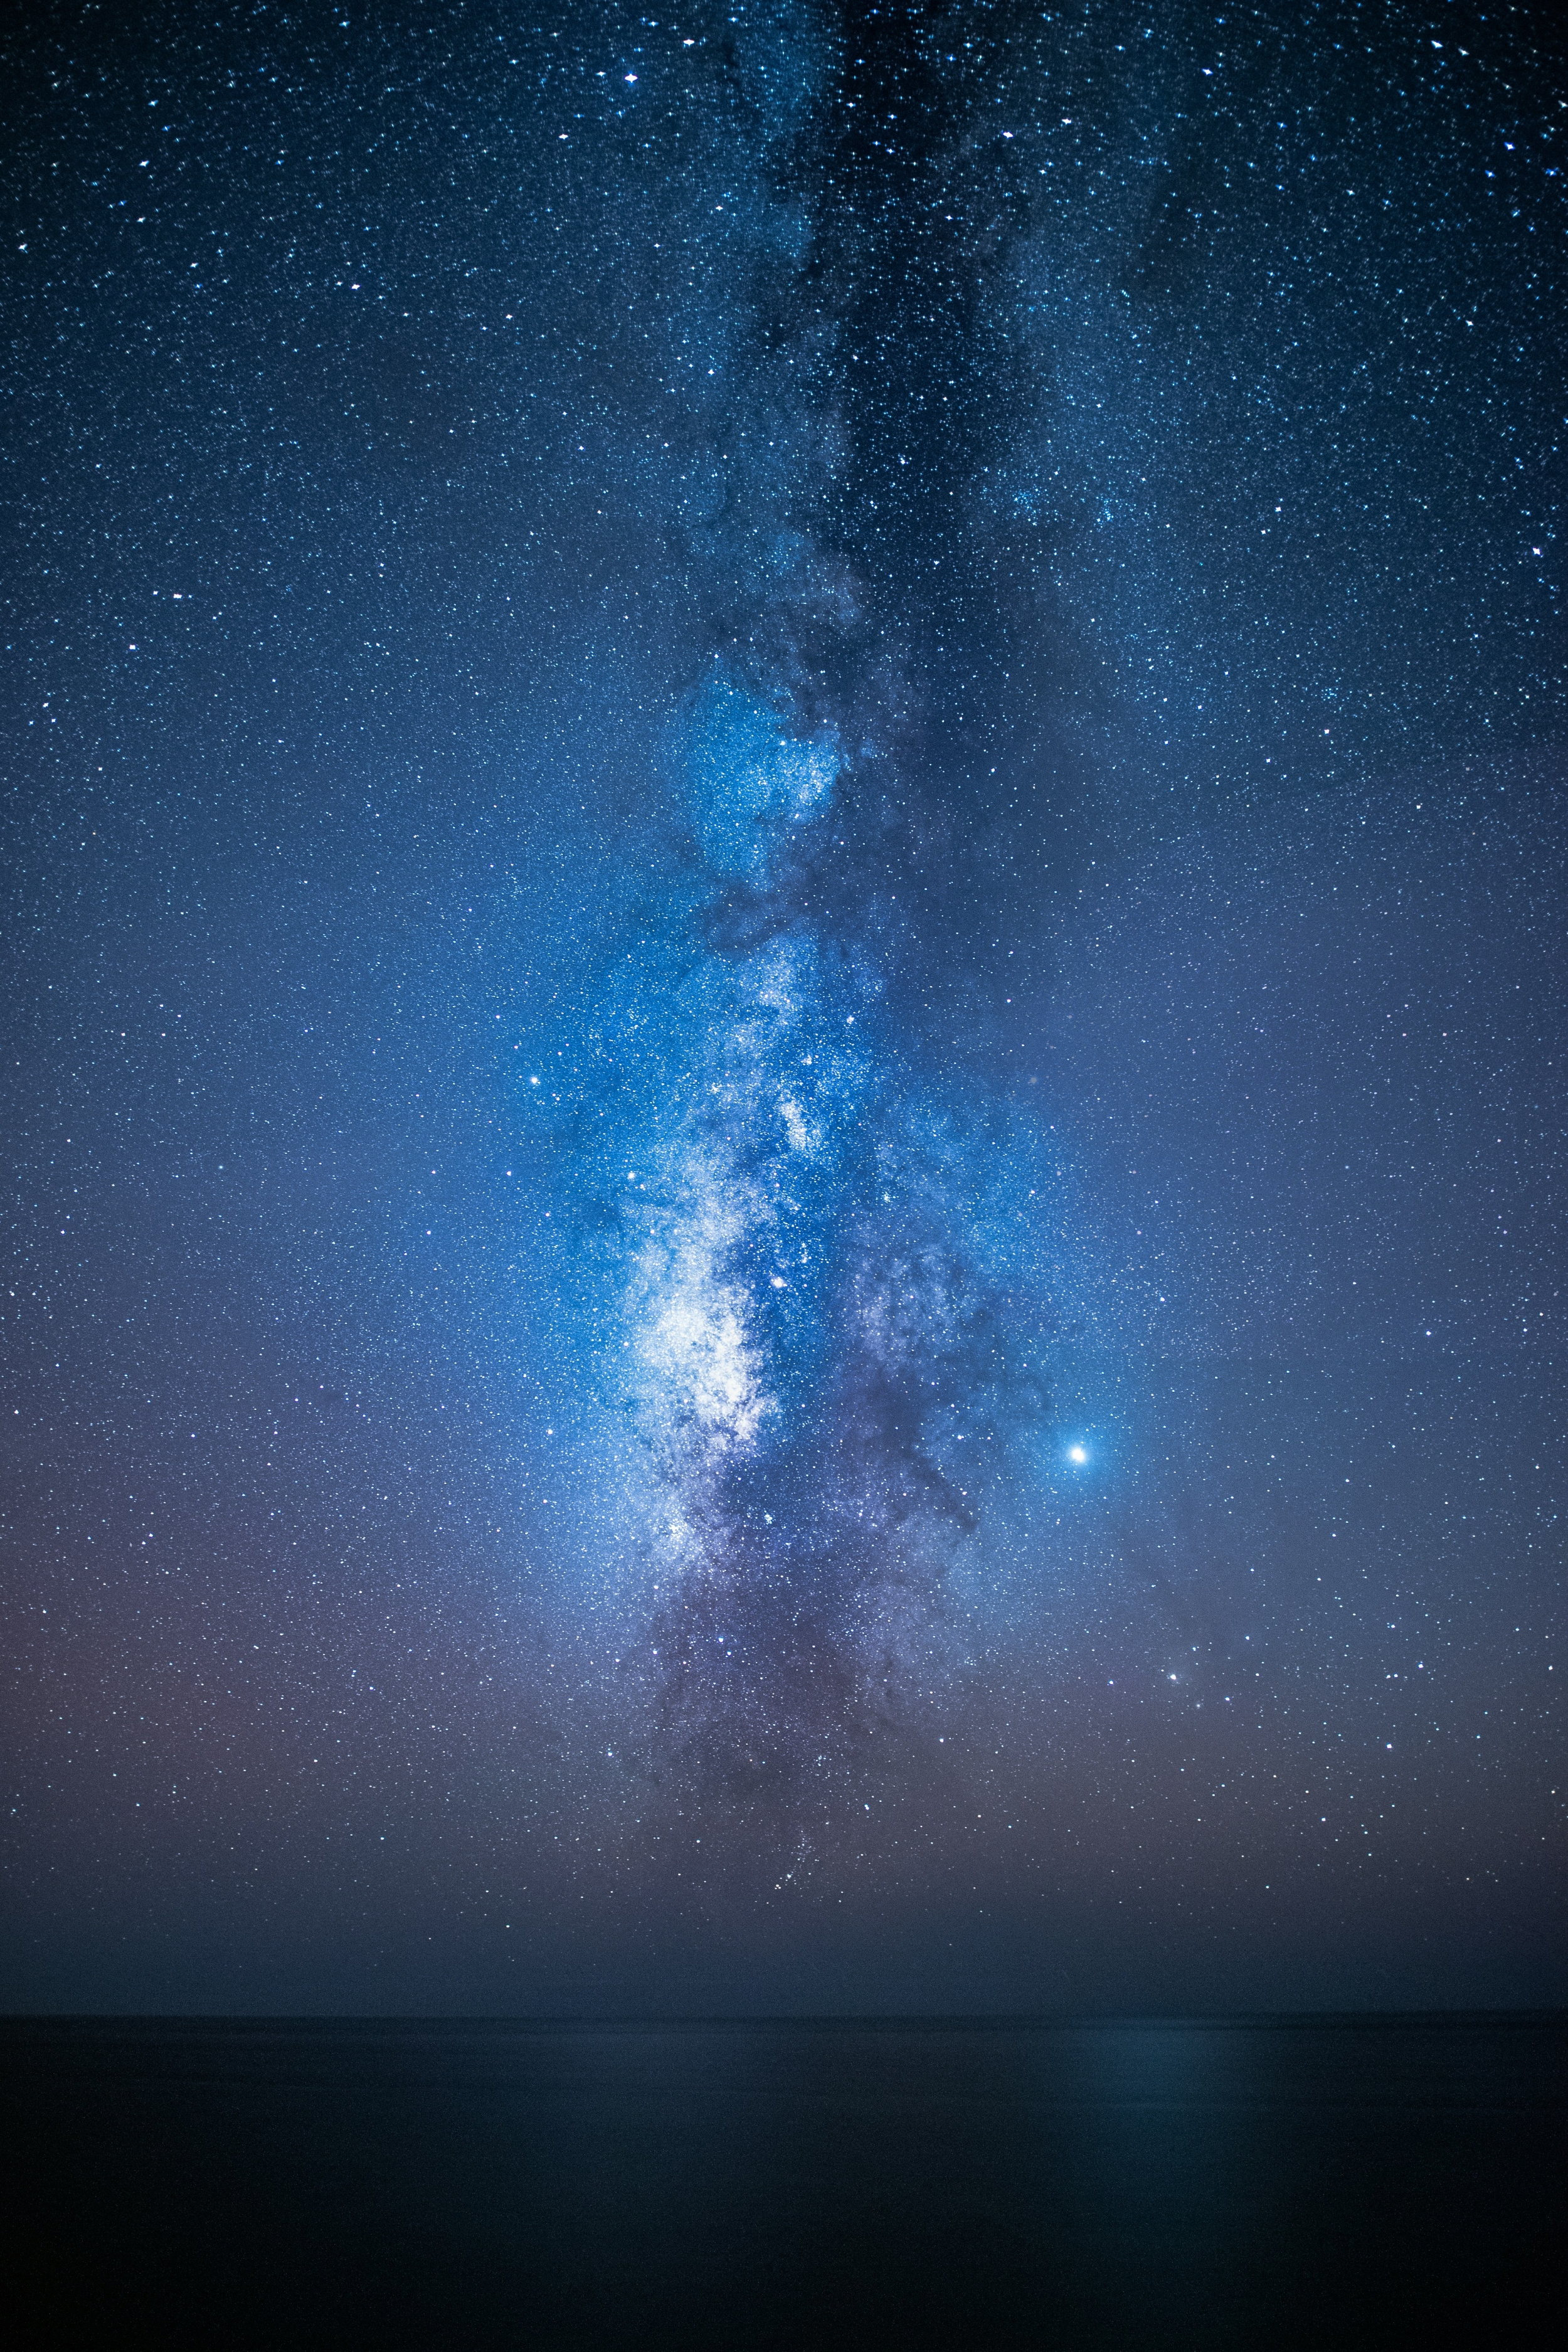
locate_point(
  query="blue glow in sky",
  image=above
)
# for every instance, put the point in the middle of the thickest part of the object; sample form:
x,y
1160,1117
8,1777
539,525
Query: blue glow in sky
x,y
785,844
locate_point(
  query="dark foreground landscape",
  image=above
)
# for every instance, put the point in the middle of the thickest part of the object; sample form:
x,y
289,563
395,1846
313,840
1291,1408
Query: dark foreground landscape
x,y
1326,2181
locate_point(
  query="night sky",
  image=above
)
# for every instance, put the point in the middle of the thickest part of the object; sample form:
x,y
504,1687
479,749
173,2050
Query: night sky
x,y
784,875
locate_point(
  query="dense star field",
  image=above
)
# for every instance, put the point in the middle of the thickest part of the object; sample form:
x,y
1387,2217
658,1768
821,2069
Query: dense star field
x,y
783,1047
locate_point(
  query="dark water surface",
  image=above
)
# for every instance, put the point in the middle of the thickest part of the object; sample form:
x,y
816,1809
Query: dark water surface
x,y
974,2183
